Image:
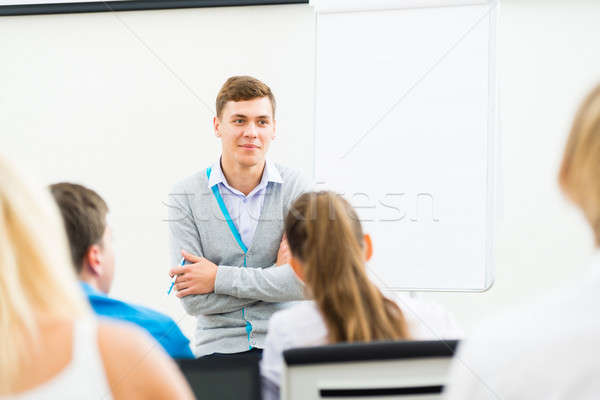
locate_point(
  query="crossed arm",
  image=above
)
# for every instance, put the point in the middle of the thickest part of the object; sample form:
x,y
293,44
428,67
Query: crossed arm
x,y
206,288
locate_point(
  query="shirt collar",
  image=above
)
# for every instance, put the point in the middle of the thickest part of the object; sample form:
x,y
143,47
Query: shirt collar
x,y
270,174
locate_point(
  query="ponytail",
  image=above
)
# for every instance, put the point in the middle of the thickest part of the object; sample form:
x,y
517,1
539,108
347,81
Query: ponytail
x,y
324,233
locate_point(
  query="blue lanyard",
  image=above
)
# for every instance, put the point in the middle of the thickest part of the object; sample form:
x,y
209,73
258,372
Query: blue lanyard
x,y
236,235
223,207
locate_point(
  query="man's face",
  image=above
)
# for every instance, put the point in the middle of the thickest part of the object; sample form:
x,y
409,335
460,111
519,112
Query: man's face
x,y
107,260
246,129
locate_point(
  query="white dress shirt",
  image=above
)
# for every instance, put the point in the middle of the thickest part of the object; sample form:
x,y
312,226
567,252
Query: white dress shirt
x,y
548,350
244,210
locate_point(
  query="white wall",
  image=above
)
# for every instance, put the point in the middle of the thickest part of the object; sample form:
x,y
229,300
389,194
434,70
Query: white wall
x,y
115,101
123,102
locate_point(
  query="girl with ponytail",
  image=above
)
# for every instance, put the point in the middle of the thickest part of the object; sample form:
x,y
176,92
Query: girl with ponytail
x,y
329,251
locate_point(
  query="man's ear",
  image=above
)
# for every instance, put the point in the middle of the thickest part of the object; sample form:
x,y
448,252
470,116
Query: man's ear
x,y
368,243
274,129
297,267
216,125
93,260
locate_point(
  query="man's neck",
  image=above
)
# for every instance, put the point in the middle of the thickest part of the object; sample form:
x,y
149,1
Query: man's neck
x,y
242,178
90,281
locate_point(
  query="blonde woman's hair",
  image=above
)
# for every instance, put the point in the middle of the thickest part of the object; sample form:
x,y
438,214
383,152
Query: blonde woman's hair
x,y
36,275
324,233
579,174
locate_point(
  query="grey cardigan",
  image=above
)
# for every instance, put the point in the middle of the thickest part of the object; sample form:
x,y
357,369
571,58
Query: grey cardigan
x,y
242,294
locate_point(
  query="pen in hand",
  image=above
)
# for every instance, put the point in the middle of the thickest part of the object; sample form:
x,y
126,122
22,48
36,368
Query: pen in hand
x,y
182,263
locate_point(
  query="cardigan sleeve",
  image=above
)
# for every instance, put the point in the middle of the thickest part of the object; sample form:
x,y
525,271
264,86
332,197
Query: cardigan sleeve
x,y
271,284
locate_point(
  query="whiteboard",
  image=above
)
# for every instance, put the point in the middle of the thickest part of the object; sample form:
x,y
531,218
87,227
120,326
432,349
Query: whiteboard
x,y
405,118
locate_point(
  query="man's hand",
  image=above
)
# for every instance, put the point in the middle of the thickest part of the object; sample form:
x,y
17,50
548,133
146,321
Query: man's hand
x,y
195,278
283,255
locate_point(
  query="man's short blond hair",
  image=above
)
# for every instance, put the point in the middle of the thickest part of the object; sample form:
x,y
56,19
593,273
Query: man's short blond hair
x,y
579,175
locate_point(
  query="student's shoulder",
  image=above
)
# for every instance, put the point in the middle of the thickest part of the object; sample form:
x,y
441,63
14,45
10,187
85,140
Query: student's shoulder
x,y
162,323
146,316
152,315
554,316
122,346
127,350
121,310
106,306
119,337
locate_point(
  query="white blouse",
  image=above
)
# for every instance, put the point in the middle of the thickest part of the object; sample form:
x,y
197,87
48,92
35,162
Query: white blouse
x,y
83,378
302,325
546,350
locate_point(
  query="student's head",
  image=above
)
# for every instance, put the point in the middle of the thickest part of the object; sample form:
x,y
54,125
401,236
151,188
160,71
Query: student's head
x,y
329,253
245,120
579,175
84,214
36,278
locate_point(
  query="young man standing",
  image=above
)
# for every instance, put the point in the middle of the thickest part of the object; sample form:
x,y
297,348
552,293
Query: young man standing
x,y
90,240
226,221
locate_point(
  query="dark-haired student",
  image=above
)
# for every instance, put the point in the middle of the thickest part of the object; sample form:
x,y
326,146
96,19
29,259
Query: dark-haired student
x,y
84,214
329,252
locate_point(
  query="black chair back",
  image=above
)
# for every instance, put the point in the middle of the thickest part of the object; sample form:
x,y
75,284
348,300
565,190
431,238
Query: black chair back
x,y
223,378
